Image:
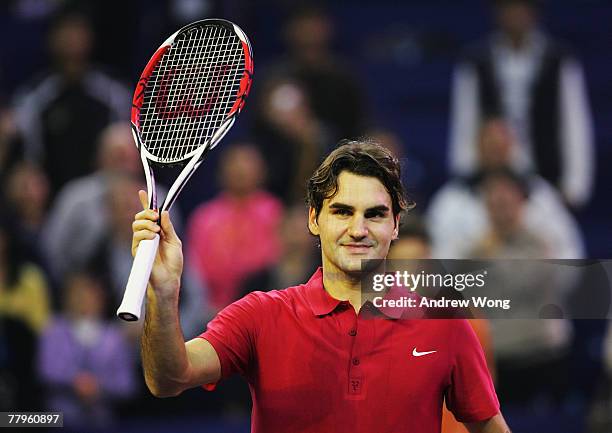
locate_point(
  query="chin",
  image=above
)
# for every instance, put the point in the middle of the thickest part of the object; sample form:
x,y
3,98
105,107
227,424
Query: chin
x,y
354,267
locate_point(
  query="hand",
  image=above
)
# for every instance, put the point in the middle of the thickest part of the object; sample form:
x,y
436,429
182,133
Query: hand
x,y
168,265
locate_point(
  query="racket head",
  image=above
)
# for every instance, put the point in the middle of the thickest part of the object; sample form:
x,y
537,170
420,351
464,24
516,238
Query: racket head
x,y
191,90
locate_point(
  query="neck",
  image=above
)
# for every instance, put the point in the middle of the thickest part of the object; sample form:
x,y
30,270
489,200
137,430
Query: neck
x,y
343,286
240,196
73,70
518,40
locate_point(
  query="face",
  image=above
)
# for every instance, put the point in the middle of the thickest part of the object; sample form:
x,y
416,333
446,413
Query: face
x,y
309,33
117,151
410,248
72,41
504,202
355,224
516,18
242,170
85,298
495,145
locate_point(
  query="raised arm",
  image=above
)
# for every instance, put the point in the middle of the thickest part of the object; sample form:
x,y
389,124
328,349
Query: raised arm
x,y
170,365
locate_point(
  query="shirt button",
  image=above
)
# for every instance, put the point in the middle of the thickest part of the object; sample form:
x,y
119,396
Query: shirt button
x,y
352,332
355,361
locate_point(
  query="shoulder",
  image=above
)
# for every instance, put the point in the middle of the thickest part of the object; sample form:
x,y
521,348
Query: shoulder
x,y
101,78
453,192
38,92
88,188
57,326
269,199
558,48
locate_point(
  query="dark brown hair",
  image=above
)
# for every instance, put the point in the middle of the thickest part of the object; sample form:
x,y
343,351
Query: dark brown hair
x,y
363,157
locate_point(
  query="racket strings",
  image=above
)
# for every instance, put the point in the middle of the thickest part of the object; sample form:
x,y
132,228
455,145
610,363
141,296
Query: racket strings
x,y
191,92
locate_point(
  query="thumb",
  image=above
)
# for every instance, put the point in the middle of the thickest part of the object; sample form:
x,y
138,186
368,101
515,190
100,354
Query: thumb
x,y
167,227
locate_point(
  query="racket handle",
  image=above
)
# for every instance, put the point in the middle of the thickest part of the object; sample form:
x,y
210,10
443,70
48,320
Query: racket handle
x,y
131,306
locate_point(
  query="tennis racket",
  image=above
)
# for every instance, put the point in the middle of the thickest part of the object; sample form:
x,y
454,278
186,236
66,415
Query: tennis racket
x,y
186,100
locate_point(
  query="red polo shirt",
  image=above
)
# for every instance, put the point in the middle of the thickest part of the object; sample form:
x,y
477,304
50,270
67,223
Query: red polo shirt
x,y
315,366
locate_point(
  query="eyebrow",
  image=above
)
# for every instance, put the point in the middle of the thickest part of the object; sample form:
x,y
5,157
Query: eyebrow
x,y
379,208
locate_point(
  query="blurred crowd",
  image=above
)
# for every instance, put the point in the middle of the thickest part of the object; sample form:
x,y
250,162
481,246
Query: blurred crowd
x,y
521,165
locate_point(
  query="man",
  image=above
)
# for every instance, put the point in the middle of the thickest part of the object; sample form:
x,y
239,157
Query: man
x,y
219,237
66,244
62,112
525,75
314,360
457,215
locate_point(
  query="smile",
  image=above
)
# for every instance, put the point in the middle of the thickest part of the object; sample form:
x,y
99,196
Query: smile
x,y
357,248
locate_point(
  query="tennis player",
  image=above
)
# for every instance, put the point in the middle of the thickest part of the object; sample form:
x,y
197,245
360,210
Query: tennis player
x,y
314,357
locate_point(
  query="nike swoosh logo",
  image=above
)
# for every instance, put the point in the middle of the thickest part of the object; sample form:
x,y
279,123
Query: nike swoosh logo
x,y
415,353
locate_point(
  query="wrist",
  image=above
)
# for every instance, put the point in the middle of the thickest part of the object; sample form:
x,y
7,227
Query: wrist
x,y
168,292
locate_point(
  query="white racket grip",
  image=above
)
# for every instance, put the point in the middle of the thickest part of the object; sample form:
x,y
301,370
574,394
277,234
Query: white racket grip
x,y
136,288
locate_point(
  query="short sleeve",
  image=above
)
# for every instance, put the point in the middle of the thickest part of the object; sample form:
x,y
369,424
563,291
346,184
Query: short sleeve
x,y
471,394
233,334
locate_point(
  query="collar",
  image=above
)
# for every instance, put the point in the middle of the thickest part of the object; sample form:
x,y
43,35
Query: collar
x,y
321,302
536,43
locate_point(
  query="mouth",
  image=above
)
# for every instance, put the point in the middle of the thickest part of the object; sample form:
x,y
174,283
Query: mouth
x,y
355,248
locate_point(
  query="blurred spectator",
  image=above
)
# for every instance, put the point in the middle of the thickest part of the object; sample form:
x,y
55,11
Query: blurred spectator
x,y
62,113
335,95
531,354
457,214
524,75
111,255
235,234
27,193
298,255
73,230
84,361
508,236
290,137
111,258
24,294
414,243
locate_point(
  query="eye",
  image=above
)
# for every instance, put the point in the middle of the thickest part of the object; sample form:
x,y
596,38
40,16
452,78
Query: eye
x,y
376,214
341,212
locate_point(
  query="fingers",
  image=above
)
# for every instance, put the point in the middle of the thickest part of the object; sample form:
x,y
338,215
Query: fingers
x,y
145,223
141,235
144,199
147,214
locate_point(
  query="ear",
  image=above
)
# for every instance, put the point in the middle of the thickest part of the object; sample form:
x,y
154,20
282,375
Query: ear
x,y
396,229
313,224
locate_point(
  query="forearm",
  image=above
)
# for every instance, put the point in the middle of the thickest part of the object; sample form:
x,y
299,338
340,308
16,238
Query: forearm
x,y
164,358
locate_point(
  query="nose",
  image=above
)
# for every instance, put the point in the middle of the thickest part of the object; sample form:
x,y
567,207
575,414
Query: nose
x,y
358,228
